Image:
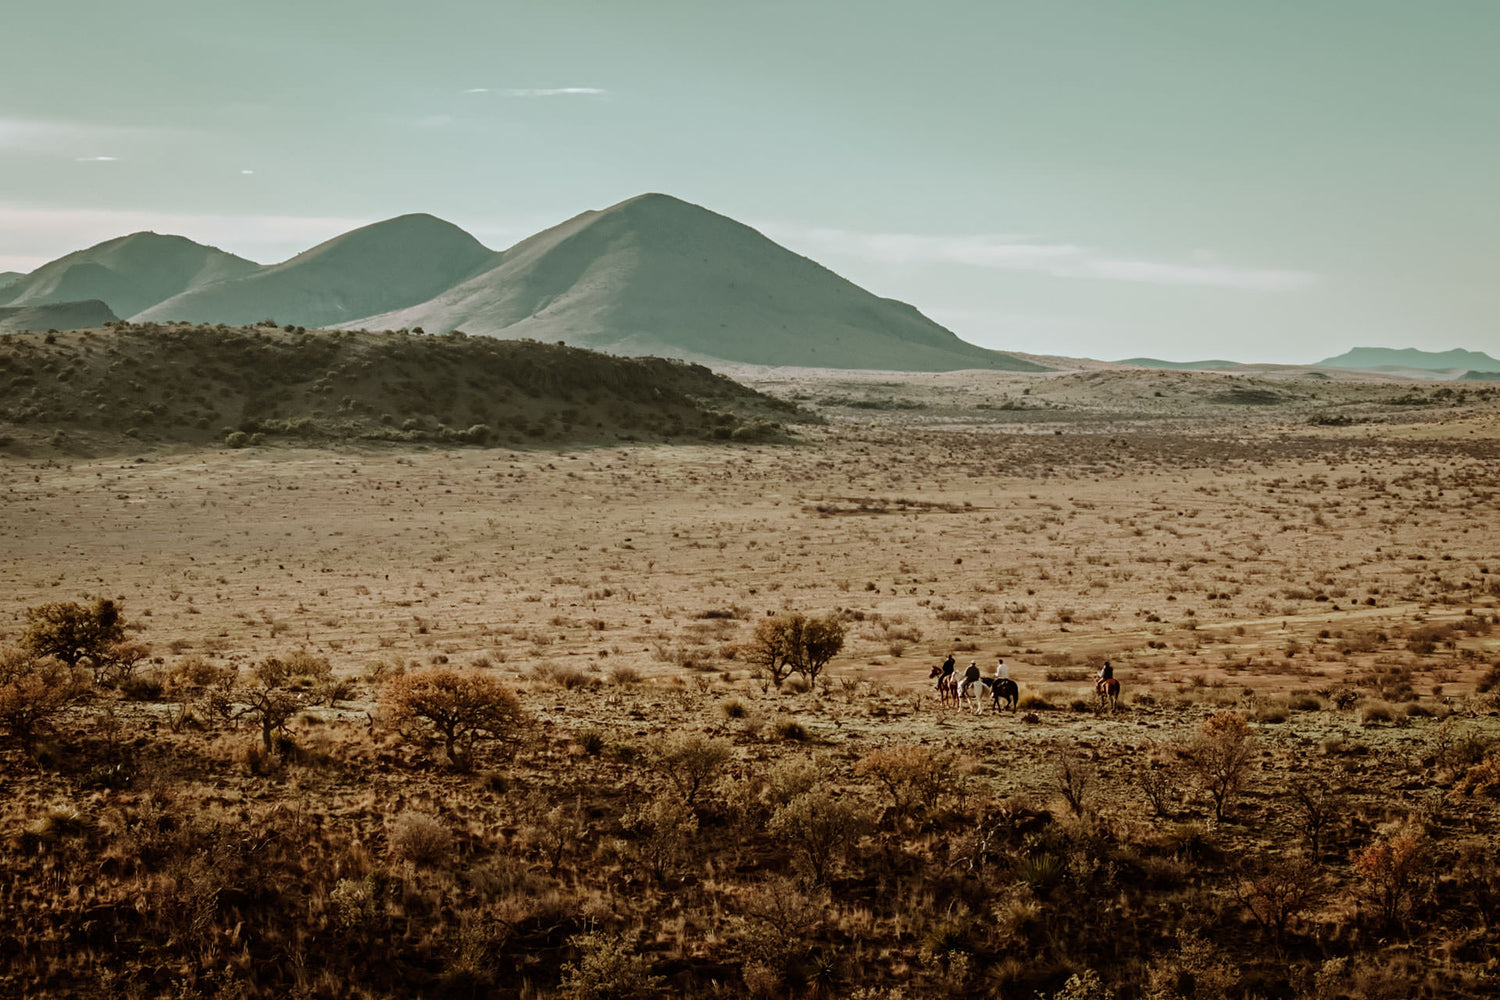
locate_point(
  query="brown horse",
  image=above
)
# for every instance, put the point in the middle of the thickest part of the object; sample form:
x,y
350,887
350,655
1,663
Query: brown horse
x,y
947,686
1108,690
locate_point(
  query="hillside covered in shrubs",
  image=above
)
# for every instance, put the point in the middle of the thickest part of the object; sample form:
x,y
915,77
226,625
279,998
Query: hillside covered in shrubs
x,y
178,383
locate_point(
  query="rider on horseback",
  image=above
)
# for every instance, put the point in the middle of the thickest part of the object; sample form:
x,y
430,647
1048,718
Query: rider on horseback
x,y
945,680
971,677
1105,673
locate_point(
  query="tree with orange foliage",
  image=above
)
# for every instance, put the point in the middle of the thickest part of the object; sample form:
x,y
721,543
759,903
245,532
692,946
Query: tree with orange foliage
x,y
459,708
1220,756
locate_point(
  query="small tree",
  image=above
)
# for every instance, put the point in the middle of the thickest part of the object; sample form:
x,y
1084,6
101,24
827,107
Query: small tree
x,y
772,648
460,708
820,641
1287,888
75,634
1220,757
1393,869
792,642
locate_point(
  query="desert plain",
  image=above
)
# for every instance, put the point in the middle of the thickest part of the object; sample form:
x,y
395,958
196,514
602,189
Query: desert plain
x,y
1313,559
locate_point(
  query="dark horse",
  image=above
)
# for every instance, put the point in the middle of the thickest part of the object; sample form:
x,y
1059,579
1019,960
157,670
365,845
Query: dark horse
x,y
1109,691
999,688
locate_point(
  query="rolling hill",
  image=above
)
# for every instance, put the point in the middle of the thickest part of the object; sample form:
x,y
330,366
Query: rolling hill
x,y
99,390
55,316
127,274
388,265
1179,365
656,275
1387,358
8,278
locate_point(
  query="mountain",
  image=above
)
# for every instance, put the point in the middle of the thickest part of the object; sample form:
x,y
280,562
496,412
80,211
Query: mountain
x,y
56,316
388,265
128,274
1387,357
1178,365
8,278
656,275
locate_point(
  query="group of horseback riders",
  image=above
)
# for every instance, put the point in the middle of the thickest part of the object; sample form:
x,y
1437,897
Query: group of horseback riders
x,y
950,686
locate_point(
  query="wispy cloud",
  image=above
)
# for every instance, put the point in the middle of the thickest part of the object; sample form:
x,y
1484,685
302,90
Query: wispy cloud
x,y
1025,253
79,139
96,159
540,91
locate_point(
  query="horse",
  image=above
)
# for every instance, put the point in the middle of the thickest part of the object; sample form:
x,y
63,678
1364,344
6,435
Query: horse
x,y
947,686
999,689
1108,690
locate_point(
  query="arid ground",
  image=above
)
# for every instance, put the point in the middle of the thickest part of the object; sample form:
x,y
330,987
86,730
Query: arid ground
x,y
1315,558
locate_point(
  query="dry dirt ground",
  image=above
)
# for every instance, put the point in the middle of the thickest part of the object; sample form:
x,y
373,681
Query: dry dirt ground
x,y
1318,556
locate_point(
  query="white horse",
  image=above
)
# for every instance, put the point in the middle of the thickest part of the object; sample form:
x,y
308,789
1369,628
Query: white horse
x,y
998,688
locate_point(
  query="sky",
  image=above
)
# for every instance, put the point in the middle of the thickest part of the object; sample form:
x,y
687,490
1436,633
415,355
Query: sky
x,y
1270,181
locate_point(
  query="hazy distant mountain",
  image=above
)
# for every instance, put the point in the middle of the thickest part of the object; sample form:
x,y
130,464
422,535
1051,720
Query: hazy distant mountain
x,y
1178,365
128,274
387,265
56,316
655,275
8,278
1387,357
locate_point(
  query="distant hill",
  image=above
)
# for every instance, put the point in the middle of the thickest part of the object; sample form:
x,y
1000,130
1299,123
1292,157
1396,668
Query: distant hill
x,y
98,390
1473,376
1387,357
1179,365
128,274
655,275
8,278
384,266
57,316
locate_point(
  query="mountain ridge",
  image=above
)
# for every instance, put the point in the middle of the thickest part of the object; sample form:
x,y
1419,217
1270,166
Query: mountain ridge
x,y
128,273
655,274
1411,357
386,265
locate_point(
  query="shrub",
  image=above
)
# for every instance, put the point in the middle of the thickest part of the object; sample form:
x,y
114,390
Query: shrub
x,y
608,970
689,761
591,741
790,729
459,708
911,775
300,668
663,831
421,839
1373,713
34,692
818,828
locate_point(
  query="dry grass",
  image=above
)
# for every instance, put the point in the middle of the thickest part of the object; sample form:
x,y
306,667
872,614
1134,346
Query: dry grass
x,y
670,820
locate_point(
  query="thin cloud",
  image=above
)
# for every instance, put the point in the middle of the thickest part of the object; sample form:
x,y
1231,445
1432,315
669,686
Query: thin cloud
x,y
1024,253
96,159
540,91
29,135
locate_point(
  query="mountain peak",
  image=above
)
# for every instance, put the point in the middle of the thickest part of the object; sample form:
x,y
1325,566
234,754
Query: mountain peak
x,y
128,273
386,265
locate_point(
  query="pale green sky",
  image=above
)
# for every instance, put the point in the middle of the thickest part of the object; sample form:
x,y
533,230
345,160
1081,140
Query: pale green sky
x,y
1262,181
